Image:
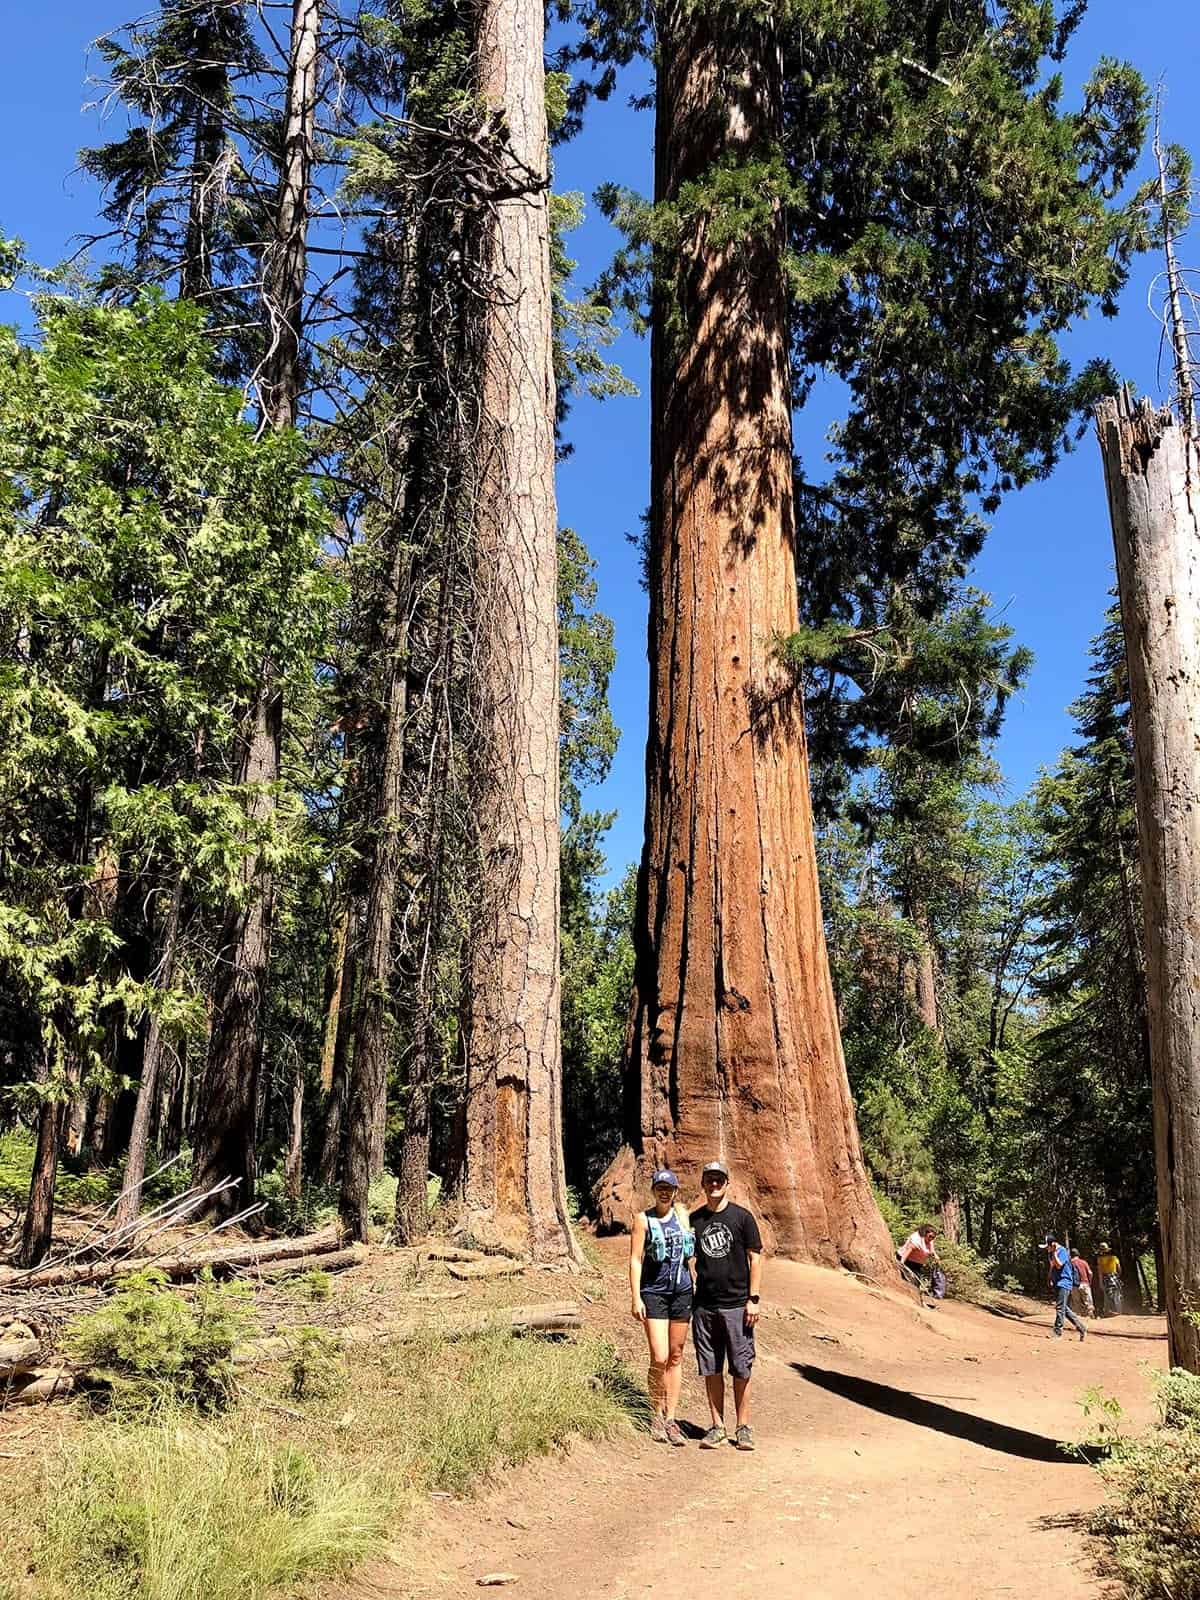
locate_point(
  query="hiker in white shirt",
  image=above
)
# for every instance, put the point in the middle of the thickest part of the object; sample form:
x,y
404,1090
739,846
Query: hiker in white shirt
x,y
918,1250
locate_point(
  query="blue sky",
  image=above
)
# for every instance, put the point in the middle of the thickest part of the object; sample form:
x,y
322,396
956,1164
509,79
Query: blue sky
x,y
1048,561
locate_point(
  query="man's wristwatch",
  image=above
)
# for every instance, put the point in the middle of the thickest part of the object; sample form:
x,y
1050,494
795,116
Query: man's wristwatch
x,y
753,1299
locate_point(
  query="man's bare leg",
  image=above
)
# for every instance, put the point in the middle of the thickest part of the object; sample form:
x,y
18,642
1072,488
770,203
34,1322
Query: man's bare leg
x,y
714,1387
741,1401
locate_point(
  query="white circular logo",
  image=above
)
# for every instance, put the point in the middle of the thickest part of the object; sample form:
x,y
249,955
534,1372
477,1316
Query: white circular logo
x,y
716,1240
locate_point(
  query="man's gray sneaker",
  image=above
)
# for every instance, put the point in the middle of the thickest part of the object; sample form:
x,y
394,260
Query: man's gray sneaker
x,y
658,1430
744,1438
713,1439
674,1432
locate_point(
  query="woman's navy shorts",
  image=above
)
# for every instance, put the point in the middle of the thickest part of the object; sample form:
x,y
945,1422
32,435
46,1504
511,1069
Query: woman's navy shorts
x,y
676,1306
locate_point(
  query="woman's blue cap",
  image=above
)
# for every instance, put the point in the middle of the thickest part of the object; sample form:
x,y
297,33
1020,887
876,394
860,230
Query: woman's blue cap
x,y
664,1175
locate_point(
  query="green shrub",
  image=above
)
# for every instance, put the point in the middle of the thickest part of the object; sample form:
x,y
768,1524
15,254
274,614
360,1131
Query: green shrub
x,y
892,1214
381,1200
1178,1395
77,1184
16,1166
87,1187
148,1345
314,1285
180,1510
317,1364
968,1274
1150,1522
315,1207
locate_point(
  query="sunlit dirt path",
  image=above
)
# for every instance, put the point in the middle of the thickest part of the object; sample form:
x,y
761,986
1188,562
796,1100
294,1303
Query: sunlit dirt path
x,y
901,1453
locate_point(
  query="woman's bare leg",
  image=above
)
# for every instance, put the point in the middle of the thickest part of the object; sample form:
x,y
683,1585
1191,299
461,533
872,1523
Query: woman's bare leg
x,y
678,1332
658,1338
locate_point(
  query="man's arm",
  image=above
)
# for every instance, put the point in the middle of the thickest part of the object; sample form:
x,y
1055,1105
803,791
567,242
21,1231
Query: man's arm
x,y
754,1257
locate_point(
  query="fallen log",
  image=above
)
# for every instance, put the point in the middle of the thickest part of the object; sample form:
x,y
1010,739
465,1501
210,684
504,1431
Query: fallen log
x,y
335,1261
490,1267
43,1386
557,1316
182,1265
19,1356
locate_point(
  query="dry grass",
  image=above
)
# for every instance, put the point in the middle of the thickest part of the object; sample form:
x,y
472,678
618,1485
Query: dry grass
x,y
271,1495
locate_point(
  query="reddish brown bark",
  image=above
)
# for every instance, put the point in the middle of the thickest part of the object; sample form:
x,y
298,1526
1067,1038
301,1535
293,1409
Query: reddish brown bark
x,y
514,1180
735,1049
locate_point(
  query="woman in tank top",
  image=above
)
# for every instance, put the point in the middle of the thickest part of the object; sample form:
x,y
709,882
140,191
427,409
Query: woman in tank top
x,y
661,1272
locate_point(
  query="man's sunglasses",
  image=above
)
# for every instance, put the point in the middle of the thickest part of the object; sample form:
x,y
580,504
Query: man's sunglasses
x,y
714,1177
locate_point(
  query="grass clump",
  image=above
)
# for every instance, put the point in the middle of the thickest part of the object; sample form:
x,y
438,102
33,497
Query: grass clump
x,y
1150,1523
178,1509
148,1345
452,1413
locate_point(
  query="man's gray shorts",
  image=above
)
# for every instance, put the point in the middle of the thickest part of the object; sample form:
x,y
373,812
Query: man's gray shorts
x,y
722,1336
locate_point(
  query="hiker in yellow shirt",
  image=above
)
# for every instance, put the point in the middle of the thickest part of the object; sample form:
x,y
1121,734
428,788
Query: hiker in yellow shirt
x,y
1108,1275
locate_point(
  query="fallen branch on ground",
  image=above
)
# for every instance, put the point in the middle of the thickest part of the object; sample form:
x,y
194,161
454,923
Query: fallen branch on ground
x,y
183,1265
336,1261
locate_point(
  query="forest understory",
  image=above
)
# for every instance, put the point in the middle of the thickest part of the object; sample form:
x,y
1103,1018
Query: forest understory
x,y
896,1441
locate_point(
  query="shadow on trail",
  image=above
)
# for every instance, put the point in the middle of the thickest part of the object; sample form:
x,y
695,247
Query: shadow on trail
x,y
907,1407
1038,1322
1009,1313
1102,1332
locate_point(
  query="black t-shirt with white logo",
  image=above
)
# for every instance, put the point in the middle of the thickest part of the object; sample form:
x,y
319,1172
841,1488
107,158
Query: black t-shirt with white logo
x,y
722,1266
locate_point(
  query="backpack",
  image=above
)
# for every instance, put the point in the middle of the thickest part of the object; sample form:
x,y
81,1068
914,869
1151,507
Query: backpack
x,y
656,1240
1076,1278
937,1284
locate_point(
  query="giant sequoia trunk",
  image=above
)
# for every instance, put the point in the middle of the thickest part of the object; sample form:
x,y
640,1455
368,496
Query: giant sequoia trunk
x,y
225,1130
514,1184
734,1049
1152,468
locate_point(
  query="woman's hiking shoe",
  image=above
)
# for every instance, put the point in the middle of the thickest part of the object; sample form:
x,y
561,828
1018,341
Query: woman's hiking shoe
x,y
744,1438
658,1431
713,1439
674,1432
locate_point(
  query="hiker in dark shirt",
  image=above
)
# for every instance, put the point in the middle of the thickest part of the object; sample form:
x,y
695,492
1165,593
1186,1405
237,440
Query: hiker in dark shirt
x,y
728,1277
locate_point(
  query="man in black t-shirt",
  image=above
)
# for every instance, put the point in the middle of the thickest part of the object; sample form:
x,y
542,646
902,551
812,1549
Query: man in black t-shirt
x,y
728,1276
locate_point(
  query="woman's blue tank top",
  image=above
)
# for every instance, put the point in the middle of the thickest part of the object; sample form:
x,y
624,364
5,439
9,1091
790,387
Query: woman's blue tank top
x,y
664,1277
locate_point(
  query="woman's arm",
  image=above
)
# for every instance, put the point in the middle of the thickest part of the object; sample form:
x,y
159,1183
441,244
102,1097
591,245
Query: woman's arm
x,y
685,1222
637,1248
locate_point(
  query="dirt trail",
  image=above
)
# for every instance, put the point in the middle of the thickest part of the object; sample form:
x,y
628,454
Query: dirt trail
x,y
901,1454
